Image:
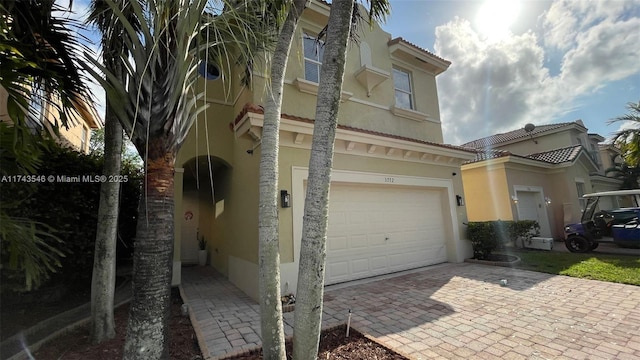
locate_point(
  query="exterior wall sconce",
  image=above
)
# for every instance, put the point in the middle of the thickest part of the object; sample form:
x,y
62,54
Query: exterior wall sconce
x,y
285,199
547,200
515,199
459,200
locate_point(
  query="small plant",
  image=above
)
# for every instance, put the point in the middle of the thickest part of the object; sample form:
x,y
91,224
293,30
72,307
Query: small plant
x,y
202,243
487,236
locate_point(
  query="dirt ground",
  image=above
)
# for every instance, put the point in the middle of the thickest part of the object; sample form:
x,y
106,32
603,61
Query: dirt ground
x,y
75,344
335,345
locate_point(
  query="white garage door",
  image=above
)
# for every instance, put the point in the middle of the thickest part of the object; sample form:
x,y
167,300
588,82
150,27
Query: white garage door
x,y
375,230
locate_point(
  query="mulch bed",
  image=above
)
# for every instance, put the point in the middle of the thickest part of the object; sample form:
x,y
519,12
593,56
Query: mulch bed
x,y
334,345
75,345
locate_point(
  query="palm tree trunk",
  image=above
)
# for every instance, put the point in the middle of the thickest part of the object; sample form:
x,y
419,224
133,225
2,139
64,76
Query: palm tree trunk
x,y
308,314
147,333
269,253
104,264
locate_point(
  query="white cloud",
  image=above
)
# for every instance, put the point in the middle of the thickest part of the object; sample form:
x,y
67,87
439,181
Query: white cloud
x,y
500,86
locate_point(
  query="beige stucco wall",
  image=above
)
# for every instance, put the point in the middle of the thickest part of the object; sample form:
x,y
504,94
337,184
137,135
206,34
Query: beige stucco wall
x,y
372,112
487,193
545,142
489,189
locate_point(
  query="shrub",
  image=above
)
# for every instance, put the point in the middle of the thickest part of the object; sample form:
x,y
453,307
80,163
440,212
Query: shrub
x,y
69,210
487,236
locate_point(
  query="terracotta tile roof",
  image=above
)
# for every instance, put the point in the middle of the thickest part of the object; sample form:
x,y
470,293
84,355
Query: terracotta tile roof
x,y
498,139
257,109
558,156
402,40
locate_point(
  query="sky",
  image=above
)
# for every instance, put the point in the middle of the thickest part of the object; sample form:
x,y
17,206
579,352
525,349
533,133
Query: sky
x,y
517,62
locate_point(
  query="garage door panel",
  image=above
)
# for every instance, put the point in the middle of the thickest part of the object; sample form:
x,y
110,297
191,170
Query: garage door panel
x,y
387,228
338,270
360,267
336,243
359,241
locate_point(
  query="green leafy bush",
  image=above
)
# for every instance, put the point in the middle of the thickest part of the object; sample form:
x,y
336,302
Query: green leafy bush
x,y
487,236
68,211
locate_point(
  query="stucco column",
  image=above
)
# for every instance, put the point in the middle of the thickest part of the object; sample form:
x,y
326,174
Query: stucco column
x,y
177,225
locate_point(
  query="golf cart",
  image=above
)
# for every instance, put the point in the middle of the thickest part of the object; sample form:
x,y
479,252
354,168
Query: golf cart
x,y
610,216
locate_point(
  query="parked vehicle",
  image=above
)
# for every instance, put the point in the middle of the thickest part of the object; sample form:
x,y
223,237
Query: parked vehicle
x,y
610,216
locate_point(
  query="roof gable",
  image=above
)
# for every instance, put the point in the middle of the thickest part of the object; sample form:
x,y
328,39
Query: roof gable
x,y
516,135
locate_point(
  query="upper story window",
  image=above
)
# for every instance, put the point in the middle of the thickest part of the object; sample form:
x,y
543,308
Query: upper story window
x,y
84,139
313,54
404,89
580,191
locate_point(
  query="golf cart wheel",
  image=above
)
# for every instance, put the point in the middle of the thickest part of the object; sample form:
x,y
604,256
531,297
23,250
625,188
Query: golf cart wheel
x,y
577,244
594,245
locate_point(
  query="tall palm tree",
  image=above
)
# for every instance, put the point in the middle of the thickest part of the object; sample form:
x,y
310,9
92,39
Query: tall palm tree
x,y
308,316
104,264
156,105
269,250
629,175
629,139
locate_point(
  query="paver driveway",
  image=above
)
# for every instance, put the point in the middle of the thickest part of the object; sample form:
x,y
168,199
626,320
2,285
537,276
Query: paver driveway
x,y
460,311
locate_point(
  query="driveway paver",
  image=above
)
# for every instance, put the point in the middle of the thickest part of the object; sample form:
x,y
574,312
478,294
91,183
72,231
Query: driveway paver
x,y
447,311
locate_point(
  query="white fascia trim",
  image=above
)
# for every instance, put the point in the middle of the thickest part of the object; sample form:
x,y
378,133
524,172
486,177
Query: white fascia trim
x,y
253,119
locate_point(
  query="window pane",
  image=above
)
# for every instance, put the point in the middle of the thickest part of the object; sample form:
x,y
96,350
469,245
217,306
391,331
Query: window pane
x,y
401,80
311,71
310,48
403,100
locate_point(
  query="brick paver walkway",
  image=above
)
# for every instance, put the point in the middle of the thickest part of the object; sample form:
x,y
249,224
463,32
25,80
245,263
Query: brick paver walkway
x,y
448,311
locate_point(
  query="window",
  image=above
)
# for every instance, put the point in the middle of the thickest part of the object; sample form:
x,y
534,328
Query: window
x,y
313,53
208,71
83,139
404,93
581,200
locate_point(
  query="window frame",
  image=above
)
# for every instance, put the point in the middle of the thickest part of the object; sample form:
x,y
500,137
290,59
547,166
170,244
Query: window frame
x,y
84,134
412,103
319,44
582,201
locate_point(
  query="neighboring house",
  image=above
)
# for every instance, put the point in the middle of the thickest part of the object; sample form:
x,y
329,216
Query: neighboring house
x,y
395,187
539,174
78,133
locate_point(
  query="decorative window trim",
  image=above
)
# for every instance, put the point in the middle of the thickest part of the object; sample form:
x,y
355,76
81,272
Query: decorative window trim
x,y
412,101
409,114
309,87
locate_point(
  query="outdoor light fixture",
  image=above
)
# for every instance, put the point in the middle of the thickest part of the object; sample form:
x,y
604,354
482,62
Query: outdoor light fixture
x,y
285,199
547,200
515,199
459,200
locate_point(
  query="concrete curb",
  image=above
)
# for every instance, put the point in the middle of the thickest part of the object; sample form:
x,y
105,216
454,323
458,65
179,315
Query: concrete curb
x,y
22,345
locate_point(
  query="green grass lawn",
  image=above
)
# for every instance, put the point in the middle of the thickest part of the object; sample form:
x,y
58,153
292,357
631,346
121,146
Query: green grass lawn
x,y
614,268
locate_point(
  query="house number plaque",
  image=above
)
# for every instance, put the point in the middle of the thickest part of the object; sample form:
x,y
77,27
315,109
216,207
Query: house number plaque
x,y
389,180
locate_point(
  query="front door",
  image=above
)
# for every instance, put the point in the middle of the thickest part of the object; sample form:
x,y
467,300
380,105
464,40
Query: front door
x,y
531,206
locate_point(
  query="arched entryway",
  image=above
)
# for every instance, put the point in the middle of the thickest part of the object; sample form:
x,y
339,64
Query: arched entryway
x,y
205,187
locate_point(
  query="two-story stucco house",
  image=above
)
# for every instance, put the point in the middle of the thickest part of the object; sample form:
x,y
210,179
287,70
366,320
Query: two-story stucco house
x,y
78,132
396,194
537,173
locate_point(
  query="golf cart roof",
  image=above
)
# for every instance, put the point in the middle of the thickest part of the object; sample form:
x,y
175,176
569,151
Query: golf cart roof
x,y
613,193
